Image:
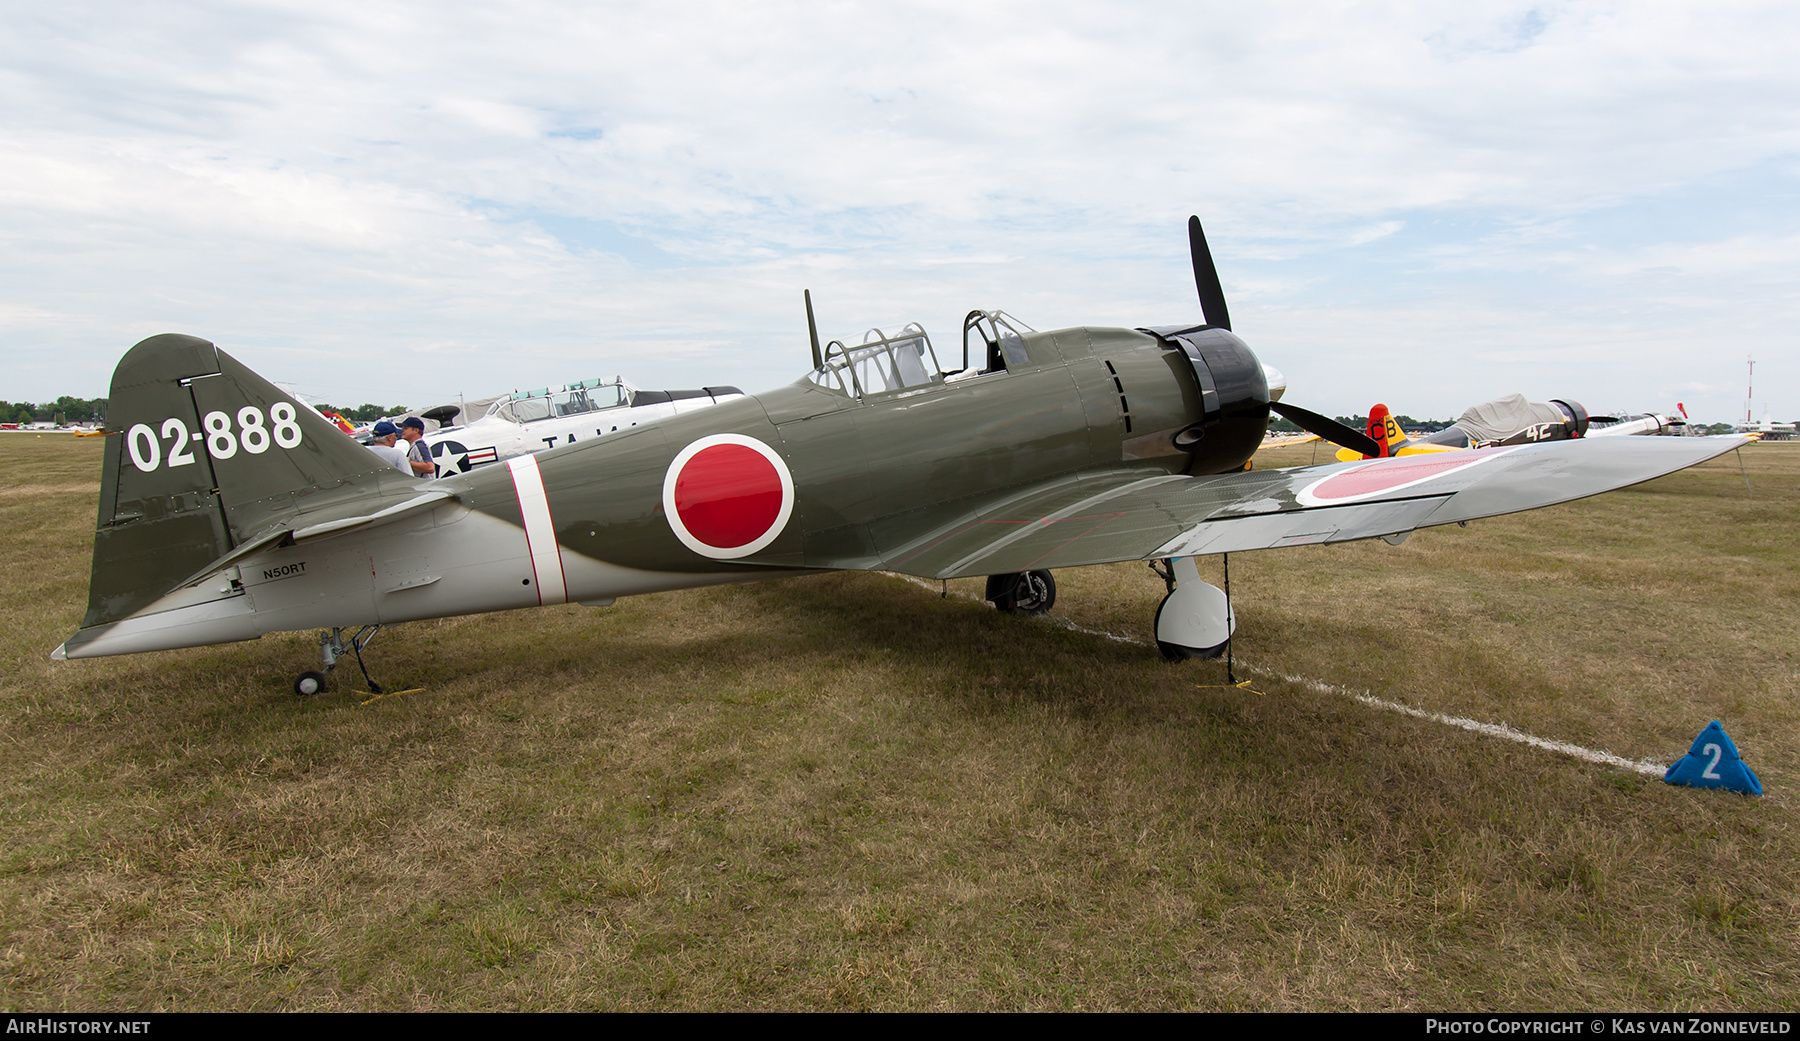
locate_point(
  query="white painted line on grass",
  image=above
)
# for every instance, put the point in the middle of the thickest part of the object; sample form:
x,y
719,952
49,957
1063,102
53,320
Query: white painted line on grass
x,y
1643,766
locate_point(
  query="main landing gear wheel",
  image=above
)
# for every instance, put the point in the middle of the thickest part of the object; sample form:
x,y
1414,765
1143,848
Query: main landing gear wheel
x,y
1175,651
1032,592
1194,620
309,683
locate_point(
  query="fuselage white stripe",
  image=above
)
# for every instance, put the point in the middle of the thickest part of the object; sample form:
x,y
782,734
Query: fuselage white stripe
x,y
540,533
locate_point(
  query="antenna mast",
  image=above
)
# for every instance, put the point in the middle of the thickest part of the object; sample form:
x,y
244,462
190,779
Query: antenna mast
x,y
1750,390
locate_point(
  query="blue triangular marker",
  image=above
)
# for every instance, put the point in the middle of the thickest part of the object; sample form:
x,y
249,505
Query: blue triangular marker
x,y
1713,762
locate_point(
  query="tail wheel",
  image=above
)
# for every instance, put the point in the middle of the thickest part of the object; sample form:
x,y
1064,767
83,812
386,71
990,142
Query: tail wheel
x,y
1032,592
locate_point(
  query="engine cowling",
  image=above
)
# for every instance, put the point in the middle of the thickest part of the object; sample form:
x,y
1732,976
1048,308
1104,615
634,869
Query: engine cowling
x,y
1234,397
1577,422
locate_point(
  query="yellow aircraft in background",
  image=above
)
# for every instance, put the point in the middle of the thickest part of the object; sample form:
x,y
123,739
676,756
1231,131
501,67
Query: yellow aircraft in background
x,y
1386,432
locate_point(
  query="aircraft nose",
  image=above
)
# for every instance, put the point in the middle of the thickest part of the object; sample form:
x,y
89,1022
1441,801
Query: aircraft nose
x,y
1277,382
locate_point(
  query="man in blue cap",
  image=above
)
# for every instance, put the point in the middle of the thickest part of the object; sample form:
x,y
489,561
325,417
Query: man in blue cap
x,y
418,453
382,444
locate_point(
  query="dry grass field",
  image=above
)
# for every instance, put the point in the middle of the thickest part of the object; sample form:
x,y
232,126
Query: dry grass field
x,y
846,792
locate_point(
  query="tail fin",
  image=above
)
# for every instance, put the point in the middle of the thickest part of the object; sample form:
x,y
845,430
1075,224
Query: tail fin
x,y
1379,424
1391,437
203,455
1384,431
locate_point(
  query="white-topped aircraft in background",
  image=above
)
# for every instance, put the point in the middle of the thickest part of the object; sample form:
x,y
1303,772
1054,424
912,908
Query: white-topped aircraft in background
x,y
538,420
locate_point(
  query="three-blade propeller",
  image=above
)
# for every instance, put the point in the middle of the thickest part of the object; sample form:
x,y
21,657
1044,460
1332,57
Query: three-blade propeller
x,y
1212,305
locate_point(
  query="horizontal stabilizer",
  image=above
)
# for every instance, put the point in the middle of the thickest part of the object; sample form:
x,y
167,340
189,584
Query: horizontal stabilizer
x,y
325,529
286,536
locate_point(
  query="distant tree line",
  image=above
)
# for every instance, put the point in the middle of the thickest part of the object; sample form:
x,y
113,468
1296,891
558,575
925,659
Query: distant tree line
x,y
1288,426
63,410
68,409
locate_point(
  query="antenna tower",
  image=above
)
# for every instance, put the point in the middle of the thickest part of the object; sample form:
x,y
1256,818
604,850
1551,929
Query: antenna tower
x,y
1750,390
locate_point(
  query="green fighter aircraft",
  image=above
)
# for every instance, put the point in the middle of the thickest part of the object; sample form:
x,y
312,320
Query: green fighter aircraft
x,y
227,510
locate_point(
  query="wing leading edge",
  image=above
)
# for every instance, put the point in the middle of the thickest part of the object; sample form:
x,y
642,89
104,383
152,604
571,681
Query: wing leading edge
x,y
1111,517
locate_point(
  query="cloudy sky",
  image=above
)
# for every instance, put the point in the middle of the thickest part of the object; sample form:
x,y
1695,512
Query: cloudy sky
x,y
1426,205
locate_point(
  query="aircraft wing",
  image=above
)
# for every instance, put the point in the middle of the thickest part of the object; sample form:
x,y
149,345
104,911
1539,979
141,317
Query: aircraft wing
x,y
1124,516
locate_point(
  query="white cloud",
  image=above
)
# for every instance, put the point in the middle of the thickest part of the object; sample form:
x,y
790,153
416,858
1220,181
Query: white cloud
x,y
409,196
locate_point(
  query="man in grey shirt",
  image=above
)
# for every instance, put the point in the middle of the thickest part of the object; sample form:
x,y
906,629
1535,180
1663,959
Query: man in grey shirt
x,y
418,453
385,434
